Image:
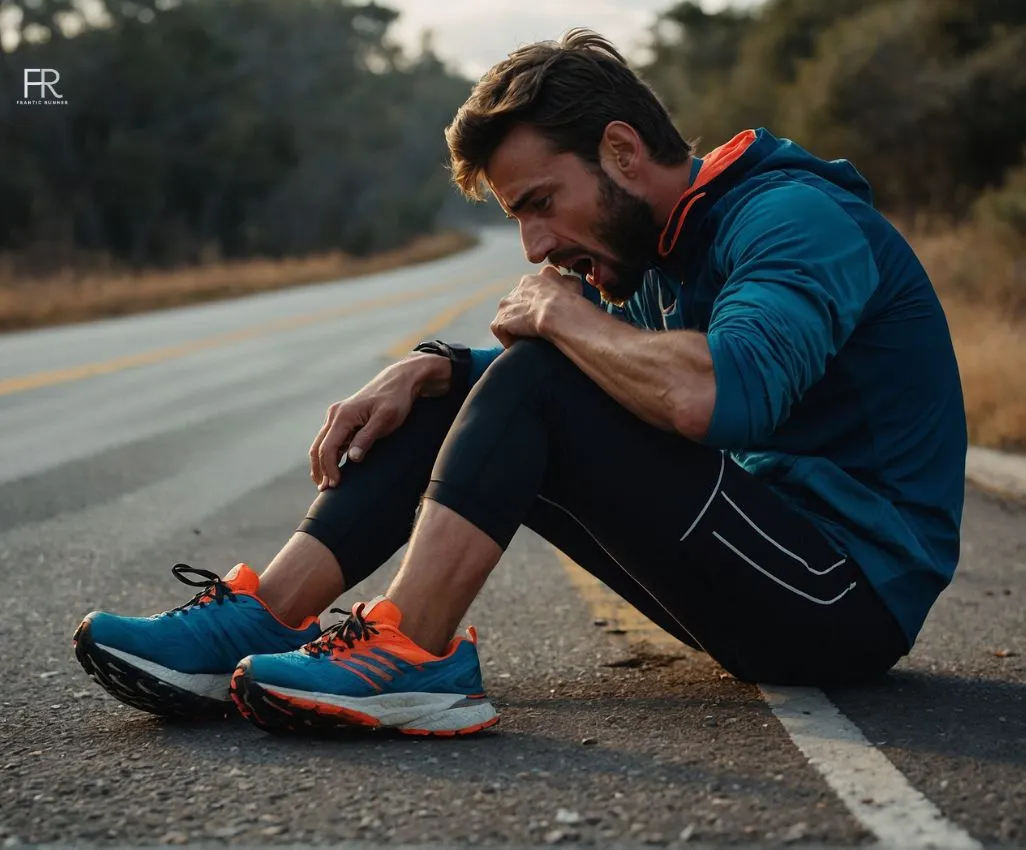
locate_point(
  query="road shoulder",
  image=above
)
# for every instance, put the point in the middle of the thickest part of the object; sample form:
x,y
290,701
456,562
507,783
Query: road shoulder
x,y
997,472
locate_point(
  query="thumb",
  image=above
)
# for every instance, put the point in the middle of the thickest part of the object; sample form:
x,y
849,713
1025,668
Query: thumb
x,y
364,439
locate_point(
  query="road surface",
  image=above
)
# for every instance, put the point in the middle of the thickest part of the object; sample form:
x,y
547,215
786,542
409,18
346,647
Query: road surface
x,y
129,445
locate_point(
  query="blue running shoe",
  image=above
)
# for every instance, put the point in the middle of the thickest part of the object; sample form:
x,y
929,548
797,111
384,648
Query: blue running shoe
x,y
180,663
364,672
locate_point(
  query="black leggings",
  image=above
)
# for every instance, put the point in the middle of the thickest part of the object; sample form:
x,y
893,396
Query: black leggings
x,y
699,546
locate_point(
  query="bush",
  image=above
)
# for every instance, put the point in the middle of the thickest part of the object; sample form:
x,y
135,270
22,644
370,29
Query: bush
x,y
1002,211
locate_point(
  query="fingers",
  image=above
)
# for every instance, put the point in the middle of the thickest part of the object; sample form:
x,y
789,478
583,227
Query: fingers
x,y
342,436
498,331
335,442
316,475
377,426
327,447
352,426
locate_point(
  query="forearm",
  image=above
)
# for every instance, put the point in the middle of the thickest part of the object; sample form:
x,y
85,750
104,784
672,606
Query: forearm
x,y
664,377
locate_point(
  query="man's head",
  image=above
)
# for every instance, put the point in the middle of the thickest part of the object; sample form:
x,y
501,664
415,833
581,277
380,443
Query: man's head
x,y
577,148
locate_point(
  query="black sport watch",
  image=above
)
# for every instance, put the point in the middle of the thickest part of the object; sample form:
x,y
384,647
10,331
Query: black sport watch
x,y
459,357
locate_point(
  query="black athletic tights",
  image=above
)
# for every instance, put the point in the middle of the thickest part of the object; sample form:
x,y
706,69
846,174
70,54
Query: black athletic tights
x,y
698,545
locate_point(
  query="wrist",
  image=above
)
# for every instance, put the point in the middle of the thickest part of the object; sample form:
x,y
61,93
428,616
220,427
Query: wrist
x,y
460,362
432,373
554,313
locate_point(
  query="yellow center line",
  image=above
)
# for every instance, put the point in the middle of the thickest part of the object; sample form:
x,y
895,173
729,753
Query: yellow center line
x,y
618,613
450,314
38,380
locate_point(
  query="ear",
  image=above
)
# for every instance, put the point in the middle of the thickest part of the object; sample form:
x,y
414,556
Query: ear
x,y
621,150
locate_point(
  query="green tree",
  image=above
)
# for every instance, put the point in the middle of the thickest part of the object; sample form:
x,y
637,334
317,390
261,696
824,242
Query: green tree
x,y
924,96
232,127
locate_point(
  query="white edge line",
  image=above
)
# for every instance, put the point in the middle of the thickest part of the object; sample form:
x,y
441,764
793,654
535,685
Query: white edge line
x,y
876,793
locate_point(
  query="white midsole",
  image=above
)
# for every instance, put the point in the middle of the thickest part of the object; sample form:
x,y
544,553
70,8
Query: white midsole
x,y
397,709
211,685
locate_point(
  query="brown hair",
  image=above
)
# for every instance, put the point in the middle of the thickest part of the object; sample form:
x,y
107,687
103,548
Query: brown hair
x,y
570,91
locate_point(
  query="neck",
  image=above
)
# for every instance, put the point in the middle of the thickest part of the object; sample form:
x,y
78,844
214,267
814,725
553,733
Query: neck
x,y
668,184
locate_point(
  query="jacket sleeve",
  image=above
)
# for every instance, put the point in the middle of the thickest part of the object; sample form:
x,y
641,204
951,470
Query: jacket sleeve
x,y
799,272
481,359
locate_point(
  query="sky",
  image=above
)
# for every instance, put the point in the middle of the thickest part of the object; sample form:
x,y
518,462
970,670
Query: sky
x,y
472,35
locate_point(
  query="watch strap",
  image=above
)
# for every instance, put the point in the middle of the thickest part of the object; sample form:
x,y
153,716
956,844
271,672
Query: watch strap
x,y
459,357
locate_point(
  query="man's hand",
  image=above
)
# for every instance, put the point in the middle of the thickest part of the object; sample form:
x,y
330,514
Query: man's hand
x,y
352,426
525,311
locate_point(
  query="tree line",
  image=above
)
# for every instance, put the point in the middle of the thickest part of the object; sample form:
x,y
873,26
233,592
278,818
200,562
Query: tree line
x,y
197,129
926,97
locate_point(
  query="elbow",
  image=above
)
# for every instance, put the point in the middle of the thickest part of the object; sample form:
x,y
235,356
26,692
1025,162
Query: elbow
x,y
692,412
688,385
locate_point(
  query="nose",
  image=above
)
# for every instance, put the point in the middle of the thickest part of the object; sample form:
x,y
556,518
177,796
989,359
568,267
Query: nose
x,y
537,240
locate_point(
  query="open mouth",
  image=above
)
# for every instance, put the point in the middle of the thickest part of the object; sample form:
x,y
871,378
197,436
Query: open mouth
x,y
582,266
587,269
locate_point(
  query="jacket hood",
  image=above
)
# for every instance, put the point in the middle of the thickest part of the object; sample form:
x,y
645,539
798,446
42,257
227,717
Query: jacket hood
x,y
751,154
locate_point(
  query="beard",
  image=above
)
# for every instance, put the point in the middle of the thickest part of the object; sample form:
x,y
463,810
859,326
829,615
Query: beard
x,y
627,227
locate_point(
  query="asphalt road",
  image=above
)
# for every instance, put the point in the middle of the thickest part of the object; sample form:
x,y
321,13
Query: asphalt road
x,y
129,445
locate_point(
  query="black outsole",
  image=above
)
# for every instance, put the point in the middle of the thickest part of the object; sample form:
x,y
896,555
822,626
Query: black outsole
x,y
273,714
139,689
279,716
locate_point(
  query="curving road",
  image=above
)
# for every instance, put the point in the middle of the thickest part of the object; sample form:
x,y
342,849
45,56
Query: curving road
x,y
131,444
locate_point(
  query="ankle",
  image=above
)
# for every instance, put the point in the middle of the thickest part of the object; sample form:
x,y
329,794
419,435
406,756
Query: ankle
x,y
301,581
288,613
294,602
426,634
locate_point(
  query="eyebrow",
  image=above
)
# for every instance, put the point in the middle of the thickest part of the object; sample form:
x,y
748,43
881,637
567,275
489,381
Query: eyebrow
x,y
525,198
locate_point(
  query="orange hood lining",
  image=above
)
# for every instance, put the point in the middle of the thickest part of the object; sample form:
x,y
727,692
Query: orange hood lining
x,y
713,165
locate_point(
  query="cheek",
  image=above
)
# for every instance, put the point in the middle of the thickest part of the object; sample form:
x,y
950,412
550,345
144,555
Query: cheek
x,y
583,223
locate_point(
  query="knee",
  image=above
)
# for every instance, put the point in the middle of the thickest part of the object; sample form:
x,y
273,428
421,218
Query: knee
x,y
530,361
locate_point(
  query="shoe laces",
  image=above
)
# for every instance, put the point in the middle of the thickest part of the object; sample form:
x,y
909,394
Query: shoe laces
x,y
343,635
213,588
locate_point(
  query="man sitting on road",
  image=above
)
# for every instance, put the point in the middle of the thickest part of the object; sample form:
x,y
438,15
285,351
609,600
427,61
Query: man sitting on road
x,y
748,422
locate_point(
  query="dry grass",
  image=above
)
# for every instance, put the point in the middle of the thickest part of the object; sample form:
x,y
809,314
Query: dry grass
x,y
73,296
982,282
991,352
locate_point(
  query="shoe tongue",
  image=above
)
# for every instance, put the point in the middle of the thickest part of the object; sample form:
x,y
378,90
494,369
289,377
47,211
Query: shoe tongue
x,y
382,610
242,579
